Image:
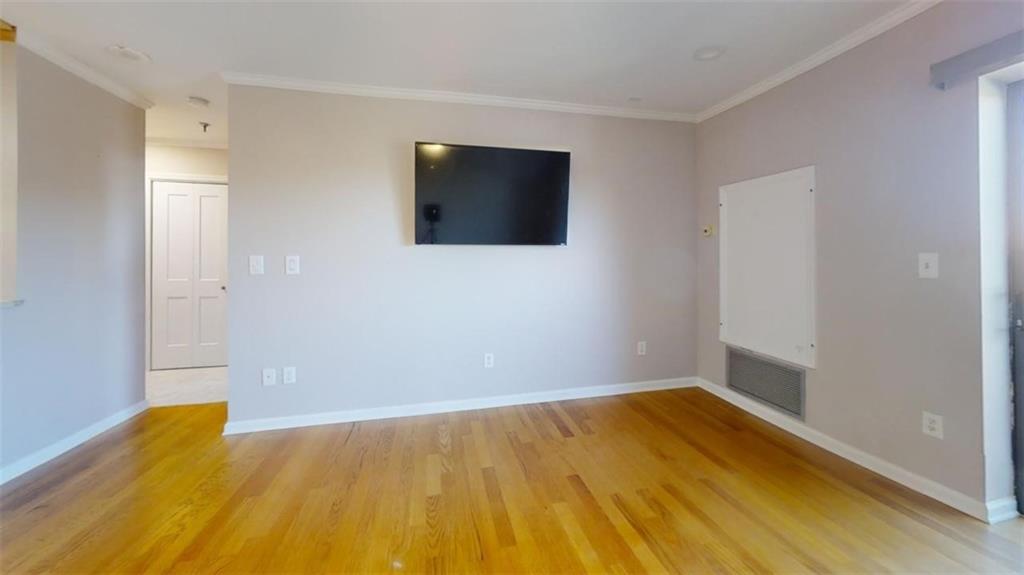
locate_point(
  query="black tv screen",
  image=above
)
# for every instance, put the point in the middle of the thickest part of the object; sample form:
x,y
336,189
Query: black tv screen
x,y
490,196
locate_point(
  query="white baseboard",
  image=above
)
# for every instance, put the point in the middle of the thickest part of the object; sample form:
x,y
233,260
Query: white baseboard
x,y
287,422
70,442
923,485
1002,509
991,512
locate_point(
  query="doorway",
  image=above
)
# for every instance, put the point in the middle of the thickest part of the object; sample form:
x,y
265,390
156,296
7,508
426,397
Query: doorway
x,y
186,274
1001,207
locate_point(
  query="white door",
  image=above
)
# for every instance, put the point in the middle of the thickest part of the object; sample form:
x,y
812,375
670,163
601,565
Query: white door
x,y
190,241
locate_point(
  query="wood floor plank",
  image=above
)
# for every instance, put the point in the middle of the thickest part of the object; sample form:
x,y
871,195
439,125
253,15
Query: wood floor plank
x,y
662,482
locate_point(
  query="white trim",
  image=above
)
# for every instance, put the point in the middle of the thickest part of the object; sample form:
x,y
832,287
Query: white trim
x,y
1008,75
182,177
288,422
33,460
148,201
923,485
326,87
44,49
1001,510
187,143
856,38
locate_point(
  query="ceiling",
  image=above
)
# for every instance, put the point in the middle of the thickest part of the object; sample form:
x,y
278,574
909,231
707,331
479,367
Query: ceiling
x,y
633,57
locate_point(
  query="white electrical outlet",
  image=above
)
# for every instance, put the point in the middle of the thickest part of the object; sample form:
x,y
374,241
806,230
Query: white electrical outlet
x,y
269,376
641,348
291,265
488,360
928,266
288,375
931,424
255,265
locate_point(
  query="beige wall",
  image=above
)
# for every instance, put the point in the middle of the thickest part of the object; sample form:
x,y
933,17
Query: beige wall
x,y
375,320
162,161
897,174
72,355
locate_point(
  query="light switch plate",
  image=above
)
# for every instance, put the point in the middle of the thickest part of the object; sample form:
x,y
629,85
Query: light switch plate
x,y
641,348
291,265
928,265
269,376
288,375
931,424
255,265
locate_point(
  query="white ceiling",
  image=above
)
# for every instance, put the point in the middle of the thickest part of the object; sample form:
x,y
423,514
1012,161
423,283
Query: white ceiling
x,y
588,54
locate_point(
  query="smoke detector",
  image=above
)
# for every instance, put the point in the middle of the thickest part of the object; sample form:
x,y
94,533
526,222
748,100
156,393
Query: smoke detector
x,y
708,53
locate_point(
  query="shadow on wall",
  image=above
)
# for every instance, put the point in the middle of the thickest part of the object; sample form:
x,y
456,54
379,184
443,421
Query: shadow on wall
x,y
403,160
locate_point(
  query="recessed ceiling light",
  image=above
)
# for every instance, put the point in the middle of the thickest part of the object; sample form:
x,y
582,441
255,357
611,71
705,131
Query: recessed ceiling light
x,y
128,53
198,102
708,53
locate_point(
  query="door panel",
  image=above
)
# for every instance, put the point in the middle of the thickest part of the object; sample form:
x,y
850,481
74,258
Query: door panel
x,y
211,271
179,234
212,225
173,238
189,255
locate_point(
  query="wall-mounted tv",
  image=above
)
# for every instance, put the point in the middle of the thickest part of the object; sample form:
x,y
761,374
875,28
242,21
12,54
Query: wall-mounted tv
x,y
490,196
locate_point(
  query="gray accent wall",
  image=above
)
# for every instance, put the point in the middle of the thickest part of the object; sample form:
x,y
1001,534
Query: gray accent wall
x,y
72,355
375,320
897,174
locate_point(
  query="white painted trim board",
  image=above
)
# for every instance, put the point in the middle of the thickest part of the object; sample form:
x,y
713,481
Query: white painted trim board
x,y
873,29
849,42
867,32
388,412
52,451
392,93
41,47
1001,510
993,512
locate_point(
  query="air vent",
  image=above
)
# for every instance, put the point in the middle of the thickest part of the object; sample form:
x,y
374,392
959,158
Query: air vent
x,y
775,384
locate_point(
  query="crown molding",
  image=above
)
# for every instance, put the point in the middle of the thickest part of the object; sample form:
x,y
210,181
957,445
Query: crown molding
x,y
876,28
856,38
187,143
47,51
887,22
261,81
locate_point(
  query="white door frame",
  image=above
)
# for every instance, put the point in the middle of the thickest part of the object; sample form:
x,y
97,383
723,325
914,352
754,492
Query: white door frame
x,y
150,179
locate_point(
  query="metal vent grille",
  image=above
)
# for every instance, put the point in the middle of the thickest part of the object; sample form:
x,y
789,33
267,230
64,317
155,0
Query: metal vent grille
x,y
778,385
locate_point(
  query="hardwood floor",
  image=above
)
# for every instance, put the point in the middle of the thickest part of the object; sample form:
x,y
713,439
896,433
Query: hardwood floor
x,y
670,481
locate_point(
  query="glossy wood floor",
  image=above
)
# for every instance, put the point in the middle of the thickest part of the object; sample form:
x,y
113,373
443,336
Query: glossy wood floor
x,y
673,481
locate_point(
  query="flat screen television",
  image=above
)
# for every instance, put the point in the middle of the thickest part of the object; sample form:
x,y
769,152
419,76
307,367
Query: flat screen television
x,y
490,196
